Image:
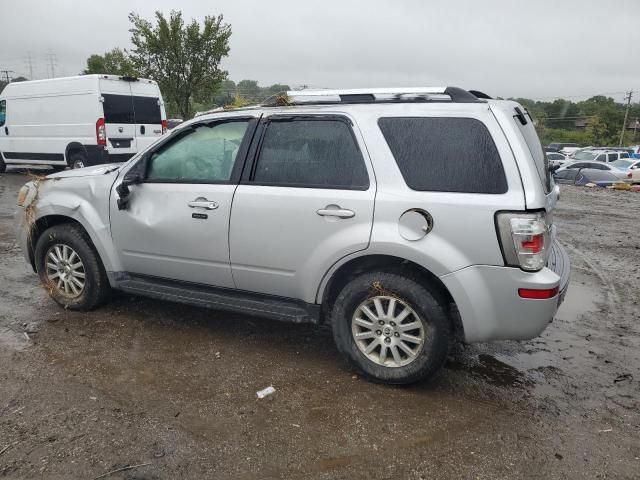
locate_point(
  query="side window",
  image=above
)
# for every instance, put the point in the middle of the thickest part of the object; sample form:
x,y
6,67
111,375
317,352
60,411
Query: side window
x,y
445,154
204,153
576,165
315,153
3,112
624,155
601,158
612,157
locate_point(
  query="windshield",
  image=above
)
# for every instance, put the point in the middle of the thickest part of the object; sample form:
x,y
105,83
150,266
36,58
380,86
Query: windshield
x,y
584,156
622,164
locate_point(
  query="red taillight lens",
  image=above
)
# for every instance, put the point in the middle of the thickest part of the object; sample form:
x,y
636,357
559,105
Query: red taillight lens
x,y
536,294
164,126
101,132
534,244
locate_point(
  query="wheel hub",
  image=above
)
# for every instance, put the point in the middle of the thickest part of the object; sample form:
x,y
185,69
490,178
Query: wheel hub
x,y
388,331
65,270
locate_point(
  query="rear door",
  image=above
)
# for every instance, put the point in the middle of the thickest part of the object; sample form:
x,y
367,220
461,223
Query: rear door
x,y
118,116
148,112
306,202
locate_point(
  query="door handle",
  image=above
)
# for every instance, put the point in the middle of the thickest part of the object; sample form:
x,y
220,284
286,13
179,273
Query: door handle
x,y
335,212
203,203
6,130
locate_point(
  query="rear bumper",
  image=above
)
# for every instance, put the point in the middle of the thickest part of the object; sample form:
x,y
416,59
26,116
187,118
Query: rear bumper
x,y
98,155
490,307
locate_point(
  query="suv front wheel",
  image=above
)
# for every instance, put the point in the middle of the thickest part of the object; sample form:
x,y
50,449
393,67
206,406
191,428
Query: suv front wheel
x,y
69,267
391,328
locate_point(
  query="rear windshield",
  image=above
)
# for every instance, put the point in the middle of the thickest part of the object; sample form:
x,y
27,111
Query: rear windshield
x,y
131,109
445,154
535,148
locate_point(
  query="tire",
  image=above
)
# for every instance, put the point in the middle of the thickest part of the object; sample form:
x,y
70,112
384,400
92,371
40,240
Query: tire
x,y
3,166
59,240
426,311
78,160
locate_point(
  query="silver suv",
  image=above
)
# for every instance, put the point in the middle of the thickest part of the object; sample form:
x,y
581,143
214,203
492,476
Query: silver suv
x,y
402,218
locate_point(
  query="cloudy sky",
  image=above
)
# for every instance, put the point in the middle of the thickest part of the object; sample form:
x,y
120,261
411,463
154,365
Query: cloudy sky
x,y
536,49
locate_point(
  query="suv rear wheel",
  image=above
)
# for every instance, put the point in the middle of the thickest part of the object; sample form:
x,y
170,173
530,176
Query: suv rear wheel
x,y
391,328
70,268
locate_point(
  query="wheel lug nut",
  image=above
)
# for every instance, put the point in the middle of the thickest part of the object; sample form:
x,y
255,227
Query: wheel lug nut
x,y
393,324
396,334
380,322
378,332
387,340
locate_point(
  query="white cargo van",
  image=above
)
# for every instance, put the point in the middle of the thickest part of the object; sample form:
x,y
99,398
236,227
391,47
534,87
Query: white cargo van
x,y
78,121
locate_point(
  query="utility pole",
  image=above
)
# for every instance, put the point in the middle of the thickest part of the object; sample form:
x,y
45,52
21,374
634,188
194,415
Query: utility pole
x,y
6,75
30,65
51,57
626,116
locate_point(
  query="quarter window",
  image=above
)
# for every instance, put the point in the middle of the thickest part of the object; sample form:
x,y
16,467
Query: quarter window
x,y
203,154
445,154
3,112
316,153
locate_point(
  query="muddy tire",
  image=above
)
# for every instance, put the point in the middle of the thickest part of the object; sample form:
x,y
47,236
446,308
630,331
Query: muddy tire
x,y
70,268
3,166
78,160
391,328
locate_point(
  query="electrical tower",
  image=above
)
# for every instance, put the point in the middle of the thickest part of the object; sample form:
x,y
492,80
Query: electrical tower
x,y
29,62
7,75
52,61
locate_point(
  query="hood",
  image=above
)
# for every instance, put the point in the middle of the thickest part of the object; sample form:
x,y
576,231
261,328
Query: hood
x,y
87,171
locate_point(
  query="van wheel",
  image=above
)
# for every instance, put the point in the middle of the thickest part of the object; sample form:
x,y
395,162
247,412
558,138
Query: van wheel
x,y
3,166
70,268
391,328
78,160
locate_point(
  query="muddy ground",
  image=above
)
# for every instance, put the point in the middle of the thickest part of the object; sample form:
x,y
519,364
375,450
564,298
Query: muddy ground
x,y
174,388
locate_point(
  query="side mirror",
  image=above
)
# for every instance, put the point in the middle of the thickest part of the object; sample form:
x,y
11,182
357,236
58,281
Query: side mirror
x,y
133,177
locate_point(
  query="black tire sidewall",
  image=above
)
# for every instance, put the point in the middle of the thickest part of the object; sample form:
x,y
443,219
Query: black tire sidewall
x,y
77,157
422,301
95,279
3,165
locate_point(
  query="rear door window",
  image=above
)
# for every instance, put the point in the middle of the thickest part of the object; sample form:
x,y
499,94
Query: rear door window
x,y
118,108
3,112
445,154
311,153
147,110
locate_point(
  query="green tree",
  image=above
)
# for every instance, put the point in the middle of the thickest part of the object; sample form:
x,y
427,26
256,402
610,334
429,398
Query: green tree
x,y
183,58
114,62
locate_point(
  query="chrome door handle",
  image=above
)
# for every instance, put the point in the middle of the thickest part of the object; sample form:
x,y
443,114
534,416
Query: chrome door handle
x,y
336,212
203,203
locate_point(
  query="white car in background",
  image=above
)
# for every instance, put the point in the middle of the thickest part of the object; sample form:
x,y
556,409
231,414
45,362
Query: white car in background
x,y
597,165
631,166
556,159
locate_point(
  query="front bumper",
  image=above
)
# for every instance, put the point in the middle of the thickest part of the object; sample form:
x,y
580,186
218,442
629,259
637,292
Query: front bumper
x,y
490,307
22,232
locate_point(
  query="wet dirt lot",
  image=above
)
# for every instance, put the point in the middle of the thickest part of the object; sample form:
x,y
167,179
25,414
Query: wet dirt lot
x,y
173,388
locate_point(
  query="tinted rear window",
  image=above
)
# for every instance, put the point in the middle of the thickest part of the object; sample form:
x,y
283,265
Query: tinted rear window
x,y
147,110
118,108
314,153
445,154
128,109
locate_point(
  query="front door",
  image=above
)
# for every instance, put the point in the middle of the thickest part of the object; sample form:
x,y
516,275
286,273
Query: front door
x,y
307,203
177,220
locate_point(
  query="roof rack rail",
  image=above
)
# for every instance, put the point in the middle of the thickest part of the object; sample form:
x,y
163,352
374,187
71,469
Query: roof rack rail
x,y
382,95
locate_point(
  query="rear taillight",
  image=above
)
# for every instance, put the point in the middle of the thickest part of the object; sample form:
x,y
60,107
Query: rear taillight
x,y
525,239
101,132
164,127
629,175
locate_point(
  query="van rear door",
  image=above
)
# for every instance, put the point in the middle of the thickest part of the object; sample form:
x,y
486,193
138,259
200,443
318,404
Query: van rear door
x,y
148,112
118,116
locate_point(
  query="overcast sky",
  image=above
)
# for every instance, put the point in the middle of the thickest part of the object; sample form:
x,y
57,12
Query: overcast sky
x,y
535,49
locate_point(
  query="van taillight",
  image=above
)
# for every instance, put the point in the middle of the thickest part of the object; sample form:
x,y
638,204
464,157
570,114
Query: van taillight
x,y
101,132
164,126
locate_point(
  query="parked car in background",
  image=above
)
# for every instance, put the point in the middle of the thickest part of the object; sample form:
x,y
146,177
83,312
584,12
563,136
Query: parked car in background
x,y
599,155
78,121
631,166
269,211
584,176
173,123
557,146
556,159
595,165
